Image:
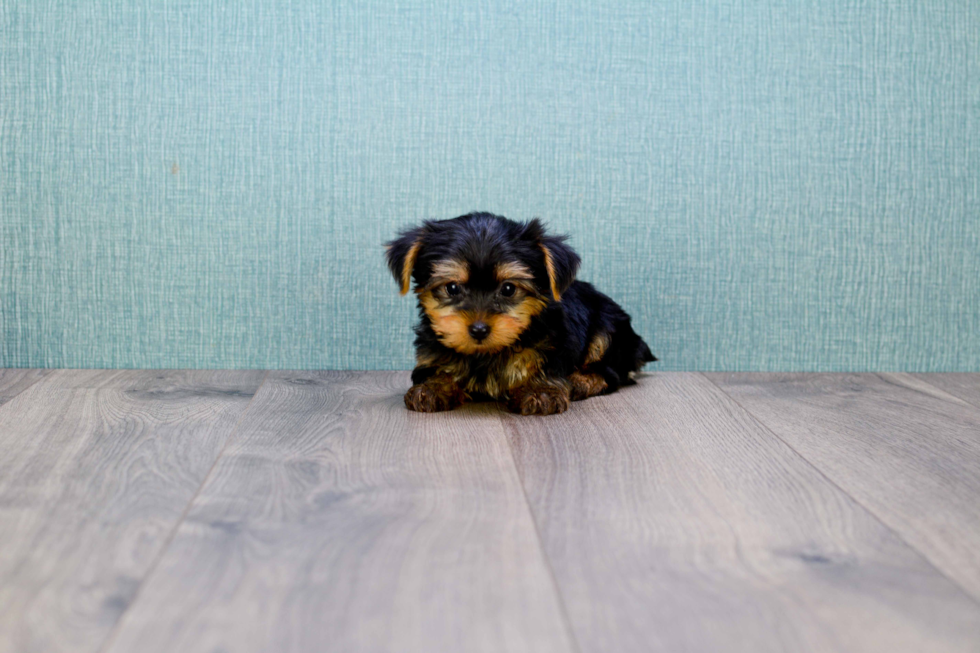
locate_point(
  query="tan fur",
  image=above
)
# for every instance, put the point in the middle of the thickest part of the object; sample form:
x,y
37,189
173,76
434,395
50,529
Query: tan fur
x,y
597,348
449,363
586,385
489,386
506,328
452,327
425,360
449,270
409,265
541,397
523,366
511,270
549,265
439,392
518,368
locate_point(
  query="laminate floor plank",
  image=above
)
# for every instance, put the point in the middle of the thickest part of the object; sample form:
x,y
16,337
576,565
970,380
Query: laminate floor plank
x,y
674,521
15,381
908,451
338,520
964,385
96,469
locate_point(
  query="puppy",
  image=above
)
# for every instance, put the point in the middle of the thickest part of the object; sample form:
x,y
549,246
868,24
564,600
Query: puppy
x,y
502,317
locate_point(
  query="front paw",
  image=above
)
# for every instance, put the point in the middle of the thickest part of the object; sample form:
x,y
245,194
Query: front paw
x,y
540,399
430,398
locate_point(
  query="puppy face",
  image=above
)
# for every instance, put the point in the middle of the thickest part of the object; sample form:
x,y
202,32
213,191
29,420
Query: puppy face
x,y
480,309
481,278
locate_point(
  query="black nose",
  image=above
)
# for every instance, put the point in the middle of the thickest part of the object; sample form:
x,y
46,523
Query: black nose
x,y
479,330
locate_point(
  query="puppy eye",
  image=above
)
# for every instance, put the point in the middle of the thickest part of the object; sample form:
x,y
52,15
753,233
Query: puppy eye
x,y
507,289
452,288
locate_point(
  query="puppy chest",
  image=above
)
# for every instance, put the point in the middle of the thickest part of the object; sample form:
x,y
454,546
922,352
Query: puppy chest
x,y
496,376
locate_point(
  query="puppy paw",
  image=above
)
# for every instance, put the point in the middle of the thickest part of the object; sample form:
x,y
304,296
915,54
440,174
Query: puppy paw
x,y
546,399
433,397
586,385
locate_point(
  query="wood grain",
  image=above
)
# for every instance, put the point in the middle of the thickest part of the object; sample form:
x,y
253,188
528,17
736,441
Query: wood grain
x,y
906,450
337,520
96,469
15,381
963,385
675,522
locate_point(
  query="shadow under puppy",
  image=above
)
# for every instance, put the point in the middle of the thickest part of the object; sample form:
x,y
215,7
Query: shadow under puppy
x,y
503,317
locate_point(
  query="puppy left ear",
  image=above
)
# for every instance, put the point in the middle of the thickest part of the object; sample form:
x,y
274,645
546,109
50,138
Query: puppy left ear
x,y
401,256
560,260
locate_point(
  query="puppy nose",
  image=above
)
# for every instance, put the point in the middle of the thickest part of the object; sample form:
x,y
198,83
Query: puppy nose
x,y
479,330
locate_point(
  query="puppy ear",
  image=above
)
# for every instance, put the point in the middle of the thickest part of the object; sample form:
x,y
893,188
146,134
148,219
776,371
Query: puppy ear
x,y
562,263
401,256
560,260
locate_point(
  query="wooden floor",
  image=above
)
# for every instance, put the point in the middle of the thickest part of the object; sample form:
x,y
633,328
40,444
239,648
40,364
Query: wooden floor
x,y
198,511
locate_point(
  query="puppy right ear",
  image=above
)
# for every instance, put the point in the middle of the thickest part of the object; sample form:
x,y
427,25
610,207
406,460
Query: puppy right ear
x,y
401,256
560,261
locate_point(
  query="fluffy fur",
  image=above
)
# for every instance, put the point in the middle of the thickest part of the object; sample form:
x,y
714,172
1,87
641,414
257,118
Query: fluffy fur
x,y
502,317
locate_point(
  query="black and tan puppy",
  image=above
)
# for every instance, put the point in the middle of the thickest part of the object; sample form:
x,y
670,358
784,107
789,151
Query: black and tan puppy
x,y
503,317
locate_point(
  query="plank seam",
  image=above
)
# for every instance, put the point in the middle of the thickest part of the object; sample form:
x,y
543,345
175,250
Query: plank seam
x,y
968,402
509,426
858,503
111,637
45,373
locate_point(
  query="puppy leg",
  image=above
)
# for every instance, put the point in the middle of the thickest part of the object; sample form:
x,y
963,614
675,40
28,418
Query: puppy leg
x,y
586,384
540,397
436,393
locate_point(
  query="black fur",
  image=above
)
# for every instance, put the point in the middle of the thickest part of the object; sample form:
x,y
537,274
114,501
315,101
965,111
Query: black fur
x,y
561,333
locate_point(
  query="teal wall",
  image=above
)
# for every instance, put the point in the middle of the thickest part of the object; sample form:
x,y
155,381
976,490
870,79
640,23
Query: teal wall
x,y
785,185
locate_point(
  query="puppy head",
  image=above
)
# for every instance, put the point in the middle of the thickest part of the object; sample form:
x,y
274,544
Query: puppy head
x,y
482,278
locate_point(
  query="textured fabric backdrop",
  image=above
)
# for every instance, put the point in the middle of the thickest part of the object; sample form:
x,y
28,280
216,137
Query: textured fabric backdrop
x,y
785,185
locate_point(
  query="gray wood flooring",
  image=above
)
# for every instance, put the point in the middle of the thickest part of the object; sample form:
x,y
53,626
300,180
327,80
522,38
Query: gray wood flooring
x,y
207,511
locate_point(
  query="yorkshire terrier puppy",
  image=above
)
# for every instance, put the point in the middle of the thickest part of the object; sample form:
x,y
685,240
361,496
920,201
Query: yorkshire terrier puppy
x,y
502,317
